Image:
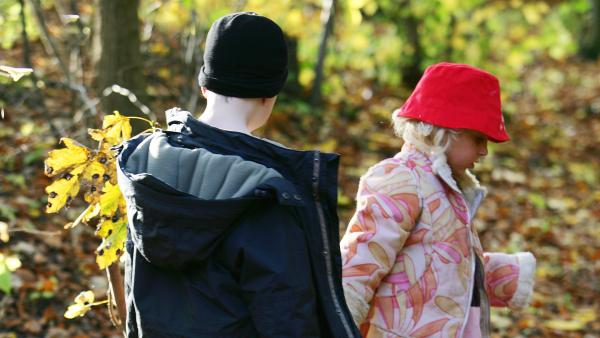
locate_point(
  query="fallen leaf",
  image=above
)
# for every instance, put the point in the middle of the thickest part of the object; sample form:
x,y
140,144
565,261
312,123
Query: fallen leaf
x,y
83,304
564,325
4,237
16,73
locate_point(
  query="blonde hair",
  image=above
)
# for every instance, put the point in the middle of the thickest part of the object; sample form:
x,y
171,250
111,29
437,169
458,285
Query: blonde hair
x,y
427,138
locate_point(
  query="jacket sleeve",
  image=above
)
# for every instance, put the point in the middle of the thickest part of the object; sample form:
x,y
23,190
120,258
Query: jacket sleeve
x,y
267,254
387,207
509,278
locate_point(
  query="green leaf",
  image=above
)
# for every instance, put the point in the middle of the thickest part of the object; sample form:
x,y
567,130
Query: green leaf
x,y
5,279
537,200
8,212
8,264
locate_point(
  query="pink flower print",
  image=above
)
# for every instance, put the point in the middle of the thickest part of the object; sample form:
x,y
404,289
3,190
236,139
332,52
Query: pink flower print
x,y
416,238
387,306
399,277
429,329
360,270
447,252
458,205
422,292
503,281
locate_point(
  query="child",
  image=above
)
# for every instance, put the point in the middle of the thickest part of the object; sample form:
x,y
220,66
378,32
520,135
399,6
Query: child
x,y
413,265
230,235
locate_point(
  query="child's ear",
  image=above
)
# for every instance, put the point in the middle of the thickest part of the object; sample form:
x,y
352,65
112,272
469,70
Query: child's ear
x,y
203,90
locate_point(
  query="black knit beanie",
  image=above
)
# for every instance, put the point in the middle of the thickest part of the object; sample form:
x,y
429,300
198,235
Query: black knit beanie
x,y
245,56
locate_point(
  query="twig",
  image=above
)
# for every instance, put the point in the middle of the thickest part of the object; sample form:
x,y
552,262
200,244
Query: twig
x,y
89,104
117,292
35,232
115,88
79,88
46,34
191,55
3,304
27,60
327,18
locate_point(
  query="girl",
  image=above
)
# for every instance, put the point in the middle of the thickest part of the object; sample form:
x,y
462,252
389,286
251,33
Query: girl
x,y
413,265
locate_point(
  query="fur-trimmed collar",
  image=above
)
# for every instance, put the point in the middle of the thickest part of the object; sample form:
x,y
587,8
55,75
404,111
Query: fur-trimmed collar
x,y
466,184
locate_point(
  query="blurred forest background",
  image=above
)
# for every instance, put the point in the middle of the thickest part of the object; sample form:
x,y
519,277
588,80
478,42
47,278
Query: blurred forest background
x,y
352,62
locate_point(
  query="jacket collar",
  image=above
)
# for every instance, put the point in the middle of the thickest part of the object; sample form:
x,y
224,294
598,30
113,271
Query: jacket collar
x,y
182,121
466,185
298,166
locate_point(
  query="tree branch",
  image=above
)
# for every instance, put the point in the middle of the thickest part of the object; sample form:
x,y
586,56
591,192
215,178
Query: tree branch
x,y
116,284
46,35
327,17
27,61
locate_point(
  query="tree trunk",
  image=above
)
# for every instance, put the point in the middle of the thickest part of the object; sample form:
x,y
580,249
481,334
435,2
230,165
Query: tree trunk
x,y
411,73
119,62
590,44
292,85
120,59
327,17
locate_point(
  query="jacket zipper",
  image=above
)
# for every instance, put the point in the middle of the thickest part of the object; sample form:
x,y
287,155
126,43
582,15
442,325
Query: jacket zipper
x,y
325,237
468,307
484,322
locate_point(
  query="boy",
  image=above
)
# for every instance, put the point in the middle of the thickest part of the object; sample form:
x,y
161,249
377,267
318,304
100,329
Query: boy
x,y
231,235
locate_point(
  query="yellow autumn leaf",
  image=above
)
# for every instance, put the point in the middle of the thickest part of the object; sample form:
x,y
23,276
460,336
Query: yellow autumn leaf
x,y
90,212
116,128
96,134
85,297
110,199
108,226
112,247
76,310
93,211
103,169
12,262
93,171
77,170
329,146
60,160
110,167
61,192
4,237
83,303
586,315
564,325
92,195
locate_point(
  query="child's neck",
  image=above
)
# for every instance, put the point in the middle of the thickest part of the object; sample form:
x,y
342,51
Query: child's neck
x,y
229,113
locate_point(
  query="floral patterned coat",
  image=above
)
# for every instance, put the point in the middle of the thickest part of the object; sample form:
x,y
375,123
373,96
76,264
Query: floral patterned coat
x,y
412,257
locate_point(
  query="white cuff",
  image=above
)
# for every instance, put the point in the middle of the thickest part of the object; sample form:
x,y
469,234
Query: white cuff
x,y
356,304
524,291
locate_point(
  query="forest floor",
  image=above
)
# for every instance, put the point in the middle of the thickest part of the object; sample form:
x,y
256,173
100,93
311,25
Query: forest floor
x,y
543,197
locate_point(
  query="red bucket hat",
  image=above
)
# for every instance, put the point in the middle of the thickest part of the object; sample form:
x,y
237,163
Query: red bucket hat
x,y
458,96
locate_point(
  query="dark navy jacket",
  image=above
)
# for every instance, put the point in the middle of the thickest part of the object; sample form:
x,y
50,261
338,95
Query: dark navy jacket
x,y
262,261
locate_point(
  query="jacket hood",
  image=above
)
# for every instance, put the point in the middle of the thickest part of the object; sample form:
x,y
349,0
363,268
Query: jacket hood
x,y
181,202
